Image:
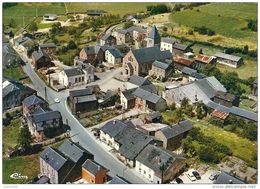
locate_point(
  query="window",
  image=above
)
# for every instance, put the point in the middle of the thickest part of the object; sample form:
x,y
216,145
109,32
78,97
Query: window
x,y
140,170
104,179
82,79
144,172
76,80
79,79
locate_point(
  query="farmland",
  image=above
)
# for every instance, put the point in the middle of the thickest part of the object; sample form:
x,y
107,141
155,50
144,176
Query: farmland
x,y
228,20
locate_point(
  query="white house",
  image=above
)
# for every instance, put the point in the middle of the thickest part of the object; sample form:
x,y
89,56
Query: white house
x,y
113,56
76,76
50,17
167,44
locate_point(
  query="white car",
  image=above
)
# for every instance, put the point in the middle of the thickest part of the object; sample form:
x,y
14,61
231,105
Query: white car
x,y
190,175
56,100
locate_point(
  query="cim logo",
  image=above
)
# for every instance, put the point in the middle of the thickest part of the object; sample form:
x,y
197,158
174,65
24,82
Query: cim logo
x,y
18,176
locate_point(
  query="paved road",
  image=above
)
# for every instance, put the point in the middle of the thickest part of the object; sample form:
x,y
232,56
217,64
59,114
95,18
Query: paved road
x,y
78,132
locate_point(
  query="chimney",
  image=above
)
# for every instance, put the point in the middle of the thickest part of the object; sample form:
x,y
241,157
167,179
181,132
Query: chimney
x,y
114,121
230,181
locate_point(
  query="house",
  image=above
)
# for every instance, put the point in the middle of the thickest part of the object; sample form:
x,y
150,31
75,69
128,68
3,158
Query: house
x,y
229,60
158,165
48,48
110,130
132,19
180,49
64,164
138,33
254,90
225,99
153,117
91,53
20,40
50,17
32,103
14,93
96,12
123,36
167,44
28,45
113,56
191,74
139,61
76,76
150,129
202,60
108,39
172,136
119,180
38,122
129,143
153,38
161,69
181,62
222,116
226,178
94,173
139,81
146,100
127,98
41,59
85,103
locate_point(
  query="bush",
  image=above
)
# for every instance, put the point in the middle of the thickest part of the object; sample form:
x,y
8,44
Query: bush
x,y
157,9
71,45
204,31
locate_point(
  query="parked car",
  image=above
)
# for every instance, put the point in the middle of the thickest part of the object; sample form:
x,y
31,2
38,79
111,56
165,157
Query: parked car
x,y
179,181
196,174
213,176
190,175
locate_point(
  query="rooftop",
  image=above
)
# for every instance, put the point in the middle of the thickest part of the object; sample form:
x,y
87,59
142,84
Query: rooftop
x,y
227,56
114,127
70,72
226,96
119,180
46,116
183,61
32,100
204,58
47,45
143,94
80,92
86,98
115,52
92,167
219,114
161,65
225,178
180,46
138,80
169,40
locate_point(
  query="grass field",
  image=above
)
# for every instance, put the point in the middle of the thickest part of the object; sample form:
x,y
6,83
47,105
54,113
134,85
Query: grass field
x,y
112,8
10,134
226,19
28,12
14,72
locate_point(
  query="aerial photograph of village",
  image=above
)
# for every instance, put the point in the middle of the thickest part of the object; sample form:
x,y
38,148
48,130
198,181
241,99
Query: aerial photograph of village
x,y
129,93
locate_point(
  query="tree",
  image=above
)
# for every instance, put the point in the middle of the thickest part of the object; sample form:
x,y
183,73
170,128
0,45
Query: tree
x,y
201,110
201,52
12,23
33,27
128,24
245,50
71,45
24,139
184,102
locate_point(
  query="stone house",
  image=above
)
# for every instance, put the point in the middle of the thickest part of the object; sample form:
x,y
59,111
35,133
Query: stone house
x,y
93,172
41,59
202,60
127,98
181,62
91,53
139,61
225,99
172,136
161,70
158,165
108,39
180,49
113,56
49,48
137,33
123,36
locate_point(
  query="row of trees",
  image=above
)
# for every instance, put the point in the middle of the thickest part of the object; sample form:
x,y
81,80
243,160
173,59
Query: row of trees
x,y
157,9
204,31
206,148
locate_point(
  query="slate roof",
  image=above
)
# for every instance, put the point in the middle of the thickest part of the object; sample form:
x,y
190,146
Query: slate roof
x,y
150,88
119,180
91,50
87,98
180,46
43,180
210,86
73,150
143,94
154,157
47,45
132,142
198,75
128,94
106,36
115,52
73,72
177,129
161,65
183,61
39,54
225,178
136,28
33,100
55,159
138,80
9,87
154,115
153,33
227,56
150,54
80,92
92,167
114,127
20,40
188,71
244,113
122,31
46,116
168,40
225,96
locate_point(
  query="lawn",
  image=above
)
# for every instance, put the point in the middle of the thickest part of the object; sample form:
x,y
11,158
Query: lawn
x,y
14,72
112,8
240,147
10,134
247,104
27,12
226,19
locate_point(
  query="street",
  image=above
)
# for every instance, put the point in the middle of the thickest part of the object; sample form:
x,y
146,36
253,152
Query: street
x,y
78,132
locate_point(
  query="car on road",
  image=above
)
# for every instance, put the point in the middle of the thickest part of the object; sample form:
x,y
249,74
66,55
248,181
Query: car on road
x,y
196,174
213,176
190,175
179,181
56,100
